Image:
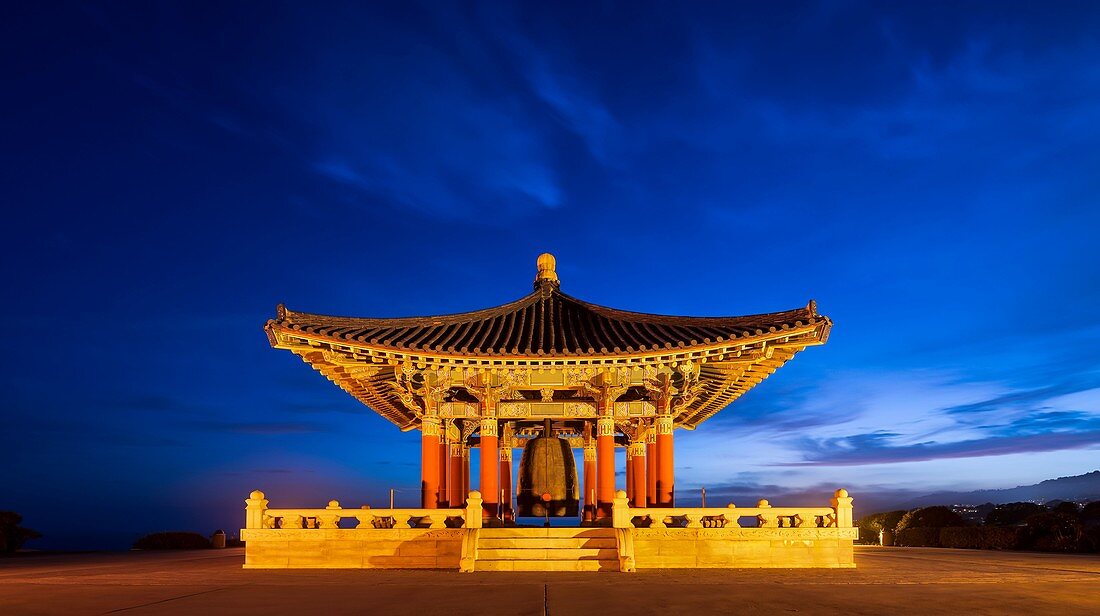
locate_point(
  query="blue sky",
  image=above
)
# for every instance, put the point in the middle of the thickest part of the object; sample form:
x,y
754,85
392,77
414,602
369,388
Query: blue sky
x,y
171,172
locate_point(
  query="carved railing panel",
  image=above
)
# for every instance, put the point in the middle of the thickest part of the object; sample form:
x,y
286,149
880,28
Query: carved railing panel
x,y
260,516
763,515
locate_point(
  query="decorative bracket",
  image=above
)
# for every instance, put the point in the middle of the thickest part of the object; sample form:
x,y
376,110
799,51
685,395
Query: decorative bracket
x,y
667,396
605,389
421,391
468,429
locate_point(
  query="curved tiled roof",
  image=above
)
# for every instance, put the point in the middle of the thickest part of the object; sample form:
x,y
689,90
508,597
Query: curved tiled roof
x,y
545,323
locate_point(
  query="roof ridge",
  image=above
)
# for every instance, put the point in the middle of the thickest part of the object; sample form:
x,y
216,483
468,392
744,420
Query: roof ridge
x,y
668,319
288,315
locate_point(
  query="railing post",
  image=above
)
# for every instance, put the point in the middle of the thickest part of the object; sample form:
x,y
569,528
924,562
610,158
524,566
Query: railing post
x,y
438,520
330,520
255,505
365,517
842,504
473,510
620,510
766,521
731,517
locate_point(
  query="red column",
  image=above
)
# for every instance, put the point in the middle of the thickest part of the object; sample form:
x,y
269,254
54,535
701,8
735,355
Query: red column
x,y
588,488
489,485
456,497
590,480
666,492
465,472
444,467
605,466
629,474
506,481
651,466
429,463
638,461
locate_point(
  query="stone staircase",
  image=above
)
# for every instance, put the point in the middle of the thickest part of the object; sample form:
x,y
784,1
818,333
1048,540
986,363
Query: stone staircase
x,y
547,549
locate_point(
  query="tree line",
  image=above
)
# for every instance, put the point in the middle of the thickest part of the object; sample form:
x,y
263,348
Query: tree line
x,y
1062,527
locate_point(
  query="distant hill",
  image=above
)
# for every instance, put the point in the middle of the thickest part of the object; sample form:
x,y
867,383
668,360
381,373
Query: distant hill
x,y
1078,488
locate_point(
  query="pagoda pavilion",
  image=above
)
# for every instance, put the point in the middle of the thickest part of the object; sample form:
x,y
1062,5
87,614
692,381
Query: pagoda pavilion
x,y
547,365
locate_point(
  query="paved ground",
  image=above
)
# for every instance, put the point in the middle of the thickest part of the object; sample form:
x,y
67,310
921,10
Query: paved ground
x,y
899,580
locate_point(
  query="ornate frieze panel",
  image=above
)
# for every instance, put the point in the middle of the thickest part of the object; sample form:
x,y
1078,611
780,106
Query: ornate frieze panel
x,y
514,409
573,377
513,378
579,409
458,409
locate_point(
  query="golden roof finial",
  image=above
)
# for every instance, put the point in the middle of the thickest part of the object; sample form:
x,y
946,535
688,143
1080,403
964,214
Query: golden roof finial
x,y
546,265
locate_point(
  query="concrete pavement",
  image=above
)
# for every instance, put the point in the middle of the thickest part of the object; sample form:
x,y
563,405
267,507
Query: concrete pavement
x,y
899,580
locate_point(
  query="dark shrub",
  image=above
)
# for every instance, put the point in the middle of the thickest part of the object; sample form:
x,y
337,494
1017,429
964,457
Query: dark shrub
x,y
1012,514
868,536
870,526
1067,508
1090,513
918,537
1090,540
1054,532
930,517
12,535
1001,537
172,541
966,537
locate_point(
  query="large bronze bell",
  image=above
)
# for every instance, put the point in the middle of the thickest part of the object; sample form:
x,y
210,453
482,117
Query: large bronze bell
x,y
547,478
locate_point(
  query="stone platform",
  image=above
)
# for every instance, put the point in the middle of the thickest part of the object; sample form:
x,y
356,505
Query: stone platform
x,y
900,580
631,538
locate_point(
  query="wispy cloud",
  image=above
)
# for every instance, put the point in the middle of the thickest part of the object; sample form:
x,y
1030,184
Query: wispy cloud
x,y
900,418
878,448
258,428
1026,398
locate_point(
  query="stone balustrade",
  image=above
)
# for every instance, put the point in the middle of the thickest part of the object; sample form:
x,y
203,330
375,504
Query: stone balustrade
x,y
259,516
764,515
366,538
672,537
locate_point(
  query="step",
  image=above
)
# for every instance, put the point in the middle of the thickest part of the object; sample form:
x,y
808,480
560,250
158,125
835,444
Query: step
x,y
546,554
555,533
546,542
546,565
